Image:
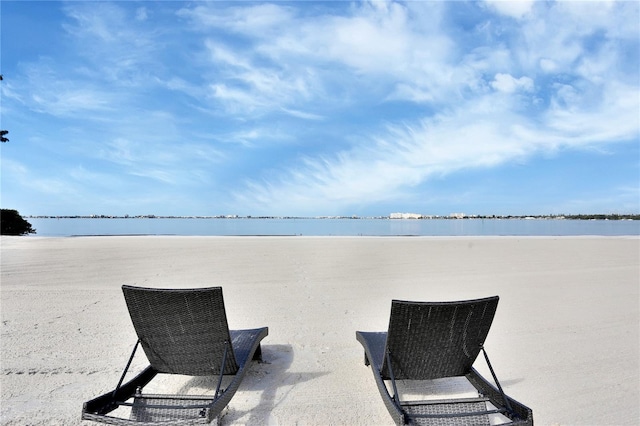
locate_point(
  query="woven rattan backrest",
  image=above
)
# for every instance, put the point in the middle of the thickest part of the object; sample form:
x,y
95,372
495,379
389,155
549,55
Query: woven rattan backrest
x,y
182,331
440,339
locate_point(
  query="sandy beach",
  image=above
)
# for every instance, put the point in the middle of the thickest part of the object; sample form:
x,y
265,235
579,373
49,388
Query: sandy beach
x,y
565,339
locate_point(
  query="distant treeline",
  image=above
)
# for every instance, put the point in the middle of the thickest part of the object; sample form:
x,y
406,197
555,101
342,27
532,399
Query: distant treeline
x,y
613,216
566,216
604,216
560,216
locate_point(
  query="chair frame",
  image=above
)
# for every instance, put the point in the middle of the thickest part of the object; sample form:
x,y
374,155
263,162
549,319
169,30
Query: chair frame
x,y
187,409
381,358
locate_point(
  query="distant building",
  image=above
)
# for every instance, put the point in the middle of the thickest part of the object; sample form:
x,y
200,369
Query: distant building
x,y
457,215
405,216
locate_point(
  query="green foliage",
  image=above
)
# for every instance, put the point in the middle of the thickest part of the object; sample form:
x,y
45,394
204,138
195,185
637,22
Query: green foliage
x,y
11,223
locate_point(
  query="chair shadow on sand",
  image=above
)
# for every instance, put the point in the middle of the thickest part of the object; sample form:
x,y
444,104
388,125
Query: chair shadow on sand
x,y
271,378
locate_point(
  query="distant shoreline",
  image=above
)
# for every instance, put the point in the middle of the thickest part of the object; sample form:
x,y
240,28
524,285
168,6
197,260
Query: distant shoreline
x,y
412,217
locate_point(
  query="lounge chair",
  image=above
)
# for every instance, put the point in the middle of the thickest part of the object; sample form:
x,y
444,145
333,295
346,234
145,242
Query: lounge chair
x,y
438,340
182,332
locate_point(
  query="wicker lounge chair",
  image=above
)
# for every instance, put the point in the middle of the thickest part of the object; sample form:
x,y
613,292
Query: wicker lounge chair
x,y
182,332
428,341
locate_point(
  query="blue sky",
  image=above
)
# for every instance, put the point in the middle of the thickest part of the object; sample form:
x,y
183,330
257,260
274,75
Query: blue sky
x,y
320,108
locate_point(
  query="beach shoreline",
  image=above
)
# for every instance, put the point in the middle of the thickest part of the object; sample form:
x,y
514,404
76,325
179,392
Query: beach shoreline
x,y
565,340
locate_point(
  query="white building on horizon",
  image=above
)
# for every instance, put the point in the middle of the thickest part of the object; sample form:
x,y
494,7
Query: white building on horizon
x,y
405,216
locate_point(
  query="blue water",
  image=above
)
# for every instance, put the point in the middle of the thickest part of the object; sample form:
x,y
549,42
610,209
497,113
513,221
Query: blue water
x,y
333,227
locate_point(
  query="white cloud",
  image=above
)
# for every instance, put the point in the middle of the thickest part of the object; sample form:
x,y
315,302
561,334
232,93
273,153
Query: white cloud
x,y
225,57
60,95
302,114
513,8
258,20
508,84
115,45
307,59
548,65
580,123
237,100
372,42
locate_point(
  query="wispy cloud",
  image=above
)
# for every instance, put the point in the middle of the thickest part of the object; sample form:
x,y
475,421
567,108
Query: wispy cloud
x,y
119,49
63,95
508,117
322,108
515,8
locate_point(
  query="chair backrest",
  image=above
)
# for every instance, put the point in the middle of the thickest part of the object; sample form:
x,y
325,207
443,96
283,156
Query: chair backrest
x,y
430,340
182,331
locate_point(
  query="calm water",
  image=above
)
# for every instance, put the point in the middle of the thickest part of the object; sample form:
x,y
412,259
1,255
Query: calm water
x,y
333,227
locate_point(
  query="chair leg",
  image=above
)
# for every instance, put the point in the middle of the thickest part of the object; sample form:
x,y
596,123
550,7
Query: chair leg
x,y
495,379
124,373
224,363
396,395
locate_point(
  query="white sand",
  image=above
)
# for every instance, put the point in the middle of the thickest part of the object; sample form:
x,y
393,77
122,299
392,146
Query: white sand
x,y
565,340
